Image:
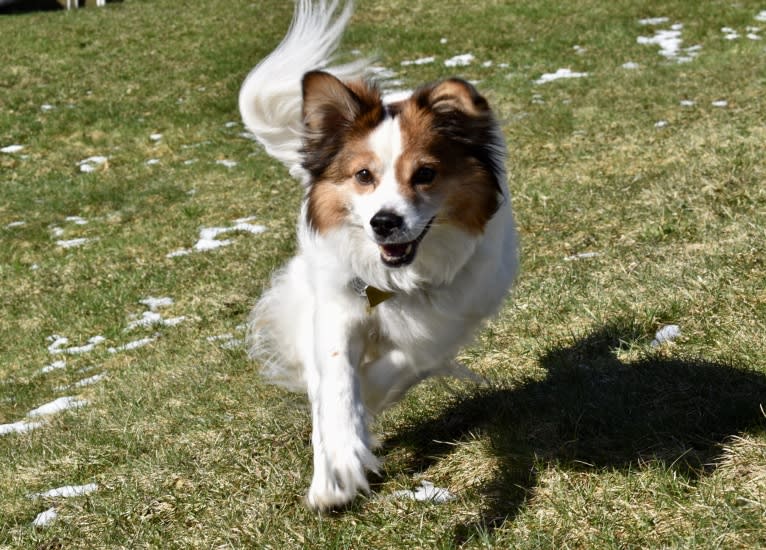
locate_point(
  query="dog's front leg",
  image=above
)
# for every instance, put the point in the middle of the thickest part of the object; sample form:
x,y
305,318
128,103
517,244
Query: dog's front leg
x,y
339,435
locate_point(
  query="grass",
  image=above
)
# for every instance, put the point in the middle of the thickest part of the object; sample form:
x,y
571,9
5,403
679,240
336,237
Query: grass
x,y
586,436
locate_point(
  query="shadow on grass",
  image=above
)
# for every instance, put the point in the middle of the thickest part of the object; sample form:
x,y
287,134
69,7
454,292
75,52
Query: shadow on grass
x,y
593,410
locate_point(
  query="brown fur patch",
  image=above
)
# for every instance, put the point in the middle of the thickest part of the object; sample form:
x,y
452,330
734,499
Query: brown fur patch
x,y
446,127
335,115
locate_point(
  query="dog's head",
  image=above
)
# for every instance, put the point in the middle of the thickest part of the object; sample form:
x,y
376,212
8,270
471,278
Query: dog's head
x,y
398,172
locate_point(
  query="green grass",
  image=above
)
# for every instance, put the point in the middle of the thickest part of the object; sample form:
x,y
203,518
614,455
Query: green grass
x,y
586,436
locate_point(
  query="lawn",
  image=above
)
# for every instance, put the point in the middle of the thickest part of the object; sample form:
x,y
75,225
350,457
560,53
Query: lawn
x,y
139,223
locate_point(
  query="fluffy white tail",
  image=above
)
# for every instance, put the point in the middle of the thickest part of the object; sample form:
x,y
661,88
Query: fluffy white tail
x,y
270,97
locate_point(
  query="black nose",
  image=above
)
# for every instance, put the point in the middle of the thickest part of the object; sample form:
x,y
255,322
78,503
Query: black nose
x,y
385,222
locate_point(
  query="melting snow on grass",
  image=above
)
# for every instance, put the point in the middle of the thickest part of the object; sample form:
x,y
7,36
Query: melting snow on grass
x,y
45,518
668,333
461,60
68,491
91,163
19,427
419,61
669,41
57,405
559,74
134,344
10,149
653,21
426,492
152,318
58,343
73,243
227,341
208,236
56,365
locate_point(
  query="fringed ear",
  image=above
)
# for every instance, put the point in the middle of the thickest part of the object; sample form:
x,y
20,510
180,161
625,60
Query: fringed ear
x,y
328,104
463,117
454,94
332,110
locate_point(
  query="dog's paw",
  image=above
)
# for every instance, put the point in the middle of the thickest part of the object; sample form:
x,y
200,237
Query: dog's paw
x,y
342,476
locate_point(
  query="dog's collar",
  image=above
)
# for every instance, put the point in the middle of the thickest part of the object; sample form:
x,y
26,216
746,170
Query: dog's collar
x,y
374,296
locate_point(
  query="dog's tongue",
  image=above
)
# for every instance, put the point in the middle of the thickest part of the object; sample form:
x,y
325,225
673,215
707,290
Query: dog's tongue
x,y
396,250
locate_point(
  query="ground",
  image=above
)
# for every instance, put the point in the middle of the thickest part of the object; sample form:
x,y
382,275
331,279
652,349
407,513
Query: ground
x,y
139,223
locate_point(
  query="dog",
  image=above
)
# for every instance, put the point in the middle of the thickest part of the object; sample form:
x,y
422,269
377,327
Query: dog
x,y
406,238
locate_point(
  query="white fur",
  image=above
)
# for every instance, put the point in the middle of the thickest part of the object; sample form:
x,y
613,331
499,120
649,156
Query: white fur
x,y
270,97
310,329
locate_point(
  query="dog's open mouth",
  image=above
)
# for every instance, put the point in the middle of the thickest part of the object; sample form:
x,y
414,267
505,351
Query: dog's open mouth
x,y
401,254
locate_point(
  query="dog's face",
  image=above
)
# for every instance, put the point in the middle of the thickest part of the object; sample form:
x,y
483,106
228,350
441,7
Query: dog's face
x,y
395,171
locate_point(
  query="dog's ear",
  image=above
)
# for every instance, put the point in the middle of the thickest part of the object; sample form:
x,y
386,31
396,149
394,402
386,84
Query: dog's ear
x,y
452,95
332,110
328,104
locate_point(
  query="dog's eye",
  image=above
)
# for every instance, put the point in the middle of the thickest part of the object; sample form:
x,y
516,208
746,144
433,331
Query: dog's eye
x,y
364,177
423,175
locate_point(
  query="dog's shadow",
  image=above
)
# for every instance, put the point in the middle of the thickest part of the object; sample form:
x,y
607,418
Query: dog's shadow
x,y
593,410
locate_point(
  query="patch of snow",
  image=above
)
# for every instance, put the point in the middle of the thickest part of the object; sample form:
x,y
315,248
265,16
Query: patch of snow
x,y
68,491
10,149
729,33
419,61
89,381
135,344
761,16
227,340
653,21
19,427
56,231
57,405
227,163
47,107
668,333
91,163
154,303
687,103
19,223
56,365
231,124
73,243
155,137
179,252
661,124
561,73
45,518
58,343
631,65
151,318
152,162
720,103
669,41
208,237
444,40
77,220
426,492
460,60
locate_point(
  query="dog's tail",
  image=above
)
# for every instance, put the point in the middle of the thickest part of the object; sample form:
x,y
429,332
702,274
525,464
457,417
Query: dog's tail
x,y
270,99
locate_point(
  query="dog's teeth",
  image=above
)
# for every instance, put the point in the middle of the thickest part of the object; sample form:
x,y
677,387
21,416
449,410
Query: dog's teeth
x,y
408,249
